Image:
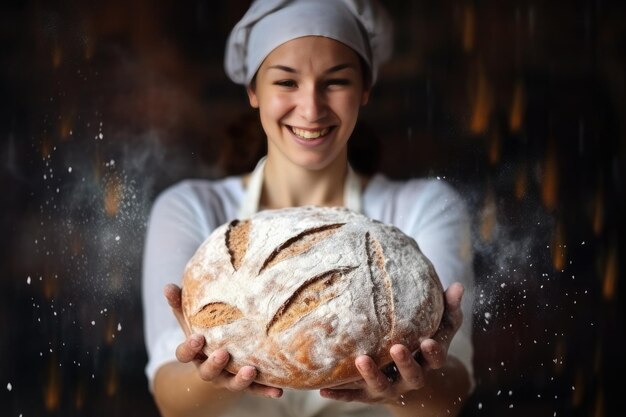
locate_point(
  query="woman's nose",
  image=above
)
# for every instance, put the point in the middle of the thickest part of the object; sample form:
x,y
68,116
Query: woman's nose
x,y
312,104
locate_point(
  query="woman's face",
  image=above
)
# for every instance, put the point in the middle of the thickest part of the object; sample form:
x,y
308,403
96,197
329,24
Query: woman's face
x,y
308,92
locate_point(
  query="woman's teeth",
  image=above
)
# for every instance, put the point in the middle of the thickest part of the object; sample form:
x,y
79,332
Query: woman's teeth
x,y
309,134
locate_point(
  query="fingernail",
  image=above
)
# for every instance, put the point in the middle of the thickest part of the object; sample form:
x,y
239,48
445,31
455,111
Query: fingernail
x,y
365,366
402,354
195,341
220,357
275,394
248,374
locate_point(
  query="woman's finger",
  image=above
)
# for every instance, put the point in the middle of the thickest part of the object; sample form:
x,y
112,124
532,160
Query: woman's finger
x,y
410,371
452,317
433,354
214,365
190,348
453,296
347,395
265,391
173,294
243,379
376,381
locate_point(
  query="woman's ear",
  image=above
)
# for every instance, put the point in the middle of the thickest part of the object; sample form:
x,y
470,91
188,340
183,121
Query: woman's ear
x,y
252,97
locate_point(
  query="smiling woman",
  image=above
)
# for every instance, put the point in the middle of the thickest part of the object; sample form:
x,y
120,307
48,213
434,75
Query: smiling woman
x,y
308,67
519,104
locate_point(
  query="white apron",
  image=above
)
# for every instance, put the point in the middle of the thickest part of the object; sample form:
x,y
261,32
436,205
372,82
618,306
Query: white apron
x,y
252,196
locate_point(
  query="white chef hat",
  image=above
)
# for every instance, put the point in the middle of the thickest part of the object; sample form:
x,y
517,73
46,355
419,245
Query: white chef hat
x,y
363,25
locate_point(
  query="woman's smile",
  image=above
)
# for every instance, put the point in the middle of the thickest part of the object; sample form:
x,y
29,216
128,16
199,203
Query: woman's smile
x,y
309,133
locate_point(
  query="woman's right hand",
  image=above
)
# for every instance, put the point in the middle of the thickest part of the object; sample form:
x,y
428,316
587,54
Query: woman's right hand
x,y
212,368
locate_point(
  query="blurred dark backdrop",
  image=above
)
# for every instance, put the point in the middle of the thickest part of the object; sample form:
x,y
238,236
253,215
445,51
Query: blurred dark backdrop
x,y
519,104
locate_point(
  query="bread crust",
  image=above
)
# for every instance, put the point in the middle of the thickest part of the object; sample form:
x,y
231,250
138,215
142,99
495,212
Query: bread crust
x,y
299,293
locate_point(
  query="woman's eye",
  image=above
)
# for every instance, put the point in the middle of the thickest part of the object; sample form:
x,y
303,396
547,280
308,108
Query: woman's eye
x,y
338,81
285,83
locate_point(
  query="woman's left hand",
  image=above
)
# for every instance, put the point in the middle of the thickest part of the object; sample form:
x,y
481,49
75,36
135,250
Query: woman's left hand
x,y
377,387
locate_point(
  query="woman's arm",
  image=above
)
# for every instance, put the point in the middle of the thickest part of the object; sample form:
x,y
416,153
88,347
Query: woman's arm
x,y
446,380
197,385
443,393
179,391
441,226
435,384
177,370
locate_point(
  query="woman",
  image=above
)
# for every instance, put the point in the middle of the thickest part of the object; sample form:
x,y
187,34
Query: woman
x,y
308,67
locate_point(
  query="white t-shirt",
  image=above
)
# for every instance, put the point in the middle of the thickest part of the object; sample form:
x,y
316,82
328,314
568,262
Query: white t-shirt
x,y
185,214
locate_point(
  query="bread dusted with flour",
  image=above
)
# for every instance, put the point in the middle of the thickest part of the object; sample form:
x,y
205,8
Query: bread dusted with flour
x,y
299,293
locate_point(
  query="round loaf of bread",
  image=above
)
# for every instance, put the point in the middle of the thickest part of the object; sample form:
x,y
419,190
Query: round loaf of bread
x,y
299,293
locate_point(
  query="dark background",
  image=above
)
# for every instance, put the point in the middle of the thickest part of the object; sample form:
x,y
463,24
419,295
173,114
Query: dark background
x,y
519,104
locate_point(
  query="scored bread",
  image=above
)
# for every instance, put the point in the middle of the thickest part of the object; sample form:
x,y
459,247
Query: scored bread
x,y
299,293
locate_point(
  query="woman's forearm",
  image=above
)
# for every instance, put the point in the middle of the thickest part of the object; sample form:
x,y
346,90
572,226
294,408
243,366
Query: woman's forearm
x,y
180,392
445,392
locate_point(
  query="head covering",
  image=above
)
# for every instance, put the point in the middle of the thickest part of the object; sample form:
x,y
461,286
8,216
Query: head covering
x,y
363,25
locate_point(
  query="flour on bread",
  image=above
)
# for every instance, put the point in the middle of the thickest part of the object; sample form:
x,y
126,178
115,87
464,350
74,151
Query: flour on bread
x,y
299,293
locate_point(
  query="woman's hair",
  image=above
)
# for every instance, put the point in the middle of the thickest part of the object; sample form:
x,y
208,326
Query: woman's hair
x,y
244,145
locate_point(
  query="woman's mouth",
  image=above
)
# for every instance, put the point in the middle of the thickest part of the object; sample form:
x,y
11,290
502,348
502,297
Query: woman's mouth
x,y
306,134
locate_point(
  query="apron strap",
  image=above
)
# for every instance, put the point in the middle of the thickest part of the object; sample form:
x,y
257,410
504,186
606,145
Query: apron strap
x,y
352,191
252,196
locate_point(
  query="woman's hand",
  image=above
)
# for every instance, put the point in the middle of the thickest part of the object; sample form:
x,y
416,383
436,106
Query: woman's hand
x,y
212,368
377,387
